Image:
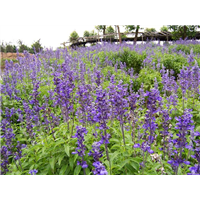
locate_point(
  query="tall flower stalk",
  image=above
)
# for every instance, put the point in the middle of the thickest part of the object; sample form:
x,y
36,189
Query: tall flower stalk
x,y
80,150
184,127
97,153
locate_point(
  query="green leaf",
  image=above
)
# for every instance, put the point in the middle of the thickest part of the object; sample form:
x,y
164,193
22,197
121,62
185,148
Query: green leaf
x,y
179,171
114,140
198,129
151,173
156,166
59,143
122,164
71,163
114,155
135,165
60,159
63,169
130,168
75,157
77,170
52,162
116,146
87,171
66,146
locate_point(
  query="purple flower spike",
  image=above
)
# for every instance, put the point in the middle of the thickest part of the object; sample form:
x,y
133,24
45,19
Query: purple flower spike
x,y
80,150
33,172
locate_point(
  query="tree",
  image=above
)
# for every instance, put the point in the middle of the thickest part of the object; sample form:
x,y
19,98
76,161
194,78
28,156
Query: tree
x,y
10,48
73,36
2,47
92,33
101,28
110,30
36,46
86,34
183,31
130,28
22,47
152,30
164,28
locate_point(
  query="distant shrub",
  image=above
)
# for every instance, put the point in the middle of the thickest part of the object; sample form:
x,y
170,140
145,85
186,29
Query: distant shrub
x,y
171,61
131,58
147,77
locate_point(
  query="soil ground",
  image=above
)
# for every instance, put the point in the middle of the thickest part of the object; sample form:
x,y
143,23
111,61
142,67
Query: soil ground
x,y
8,56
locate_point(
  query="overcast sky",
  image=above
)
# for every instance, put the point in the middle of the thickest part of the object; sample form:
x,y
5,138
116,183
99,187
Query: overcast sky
x,y
49,35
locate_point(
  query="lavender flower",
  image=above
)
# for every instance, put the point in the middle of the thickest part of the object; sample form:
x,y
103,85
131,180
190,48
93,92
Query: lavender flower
x,y
18,153
80,150
154,103
30,118
184,125
4,159
64,93
119,103
96,153
99,169
33,171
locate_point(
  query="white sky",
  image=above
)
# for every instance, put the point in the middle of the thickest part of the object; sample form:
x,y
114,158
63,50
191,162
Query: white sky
x,y
49,35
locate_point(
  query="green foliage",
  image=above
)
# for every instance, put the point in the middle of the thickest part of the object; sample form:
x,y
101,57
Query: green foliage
x,y
73,36
130,28
101,28
150,30
164,28
123,36
22,47
10,48
37,46
183,31
92,33
2,47
186,48
174,62
132,59
89,34
86,34
147,76
171,61
110,30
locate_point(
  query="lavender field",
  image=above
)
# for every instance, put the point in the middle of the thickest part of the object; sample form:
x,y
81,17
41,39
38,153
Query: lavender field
x,y
107,109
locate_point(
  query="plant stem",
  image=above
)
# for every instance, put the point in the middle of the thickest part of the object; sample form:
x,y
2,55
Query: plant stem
x,y
107,154
122,128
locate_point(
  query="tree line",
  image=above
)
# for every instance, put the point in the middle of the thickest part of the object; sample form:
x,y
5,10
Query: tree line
x,y
7,47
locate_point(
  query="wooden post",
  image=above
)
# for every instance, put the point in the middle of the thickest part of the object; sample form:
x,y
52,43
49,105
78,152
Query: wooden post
x,y
120,38
136,34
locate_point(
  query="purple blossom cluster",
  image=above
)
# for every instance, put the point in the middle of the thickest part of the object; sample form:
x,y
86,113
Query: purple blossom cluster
x,y
180,144
80,150
96,153
33,172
